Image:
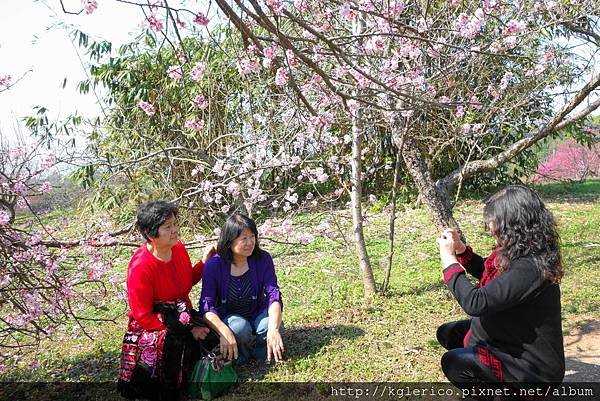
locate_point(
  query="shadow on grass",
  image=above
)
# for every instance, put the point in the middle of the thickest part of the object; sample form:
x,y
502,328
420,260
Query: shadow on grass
x,y
300,343
582,372
570,191
99,366
394,293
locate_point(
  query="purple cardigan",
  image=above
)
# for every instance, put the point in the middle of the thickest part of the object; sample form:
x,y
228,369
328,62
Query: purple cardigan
x,y
215,285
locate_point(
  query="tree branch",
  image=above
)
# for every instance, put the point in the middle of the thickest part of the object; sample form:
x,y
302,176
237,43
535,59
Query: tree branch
x,y
449,182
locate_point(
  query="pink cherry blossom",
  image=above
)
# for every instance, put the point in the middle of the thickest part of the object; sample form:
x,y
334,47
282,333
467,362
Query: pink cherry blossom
x,y
291,59
5,81
89,6
270,52
306,238
147,107
300,5
281,76
491,90
469,27
475,103
175,72
514,27
201,19
47,161
194,125
347,12
46,187
539,68
505,80
198,71
510,41
424,24
200,102
4,218
198,169
20,188
154,23
396,8
21,203
248,65
367,5
276,6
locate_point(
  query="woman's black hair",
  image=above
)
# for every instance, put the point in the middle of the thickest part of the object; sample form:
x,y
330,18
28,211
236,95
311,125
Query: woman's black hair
x,y
233,227
524,227
151,215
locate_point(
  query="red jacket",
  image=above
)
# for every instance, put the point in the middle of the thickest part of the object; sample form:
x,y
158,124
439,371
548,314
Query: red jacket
x,y
150,280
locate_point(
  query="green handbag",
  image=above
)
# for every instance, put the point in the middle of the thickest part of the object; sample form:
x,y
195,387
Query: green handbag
x,y
212,377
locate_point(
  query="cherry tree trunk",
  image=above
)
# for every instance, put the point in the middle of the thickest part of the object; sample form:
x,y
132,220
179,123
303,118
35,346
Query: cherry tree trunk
x,y
357,214
435,198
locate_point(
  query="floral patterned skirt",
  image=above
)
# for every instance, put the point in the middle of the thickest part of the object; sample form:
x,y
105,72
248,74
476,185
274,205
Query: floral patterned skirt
x,y
155,364
141,347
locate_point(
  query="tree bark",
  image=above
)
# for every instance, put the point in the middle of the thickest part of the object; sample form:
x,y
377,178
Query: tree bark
x,y
390,256
559,121
356,180
356,197
435,199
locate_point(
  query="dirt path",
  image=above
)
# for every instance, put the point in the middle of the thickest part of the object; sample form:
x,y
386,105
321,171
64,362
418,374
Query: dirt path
x,y
582,351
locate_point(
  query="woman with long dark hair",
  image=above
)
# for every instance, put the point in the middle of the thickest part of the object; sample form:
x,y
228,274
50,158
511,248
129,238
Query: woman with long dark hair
x,y
514,333
240,296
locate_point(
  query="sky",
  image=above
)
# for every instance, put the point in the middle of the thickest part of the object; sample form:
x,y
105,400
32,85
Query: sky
x,y
32,42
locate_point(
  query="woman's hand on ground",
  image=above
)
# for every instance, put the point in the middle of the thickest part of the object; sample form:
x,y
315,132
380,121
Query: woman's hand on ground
x,y
228,345
274,345
200,332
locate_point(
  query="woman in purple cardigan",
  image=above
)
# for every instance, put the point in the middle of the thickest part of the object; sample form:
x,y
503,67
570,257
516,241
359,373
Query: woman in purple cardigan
x,y
240,296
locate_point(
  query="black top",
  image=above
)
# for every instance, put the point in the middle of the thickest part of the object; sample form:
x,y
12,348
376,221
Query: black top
x,y
516,316
239,299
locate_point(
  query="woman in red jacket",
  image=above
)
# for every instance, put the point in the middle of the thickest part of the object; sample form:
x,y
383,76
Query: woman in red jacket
x,y
514,334
161,342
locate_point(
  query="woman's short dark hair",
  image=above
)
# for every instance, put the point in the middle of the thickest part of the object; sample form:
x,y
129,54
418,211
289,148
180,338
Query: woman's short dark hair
x,y
524,227
151,215
233,227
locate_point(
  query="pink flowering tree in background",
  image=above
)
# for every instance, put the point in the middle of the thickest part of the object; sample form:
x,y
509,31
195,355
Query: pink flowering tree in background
x,y
569,160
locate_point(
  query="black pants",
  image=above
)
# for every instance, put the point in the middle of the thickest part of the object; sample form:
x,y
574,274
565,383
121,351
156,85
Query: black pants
x,y
462,366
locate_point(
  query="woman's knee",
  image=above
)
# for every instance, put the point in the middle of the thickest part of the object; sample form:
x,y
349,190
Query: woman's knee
x,y
447,362
442,334
241,328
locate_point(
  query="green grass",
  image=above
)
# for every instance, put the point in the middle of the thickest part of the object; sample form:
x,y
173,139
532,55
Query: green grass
x,y
332,332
